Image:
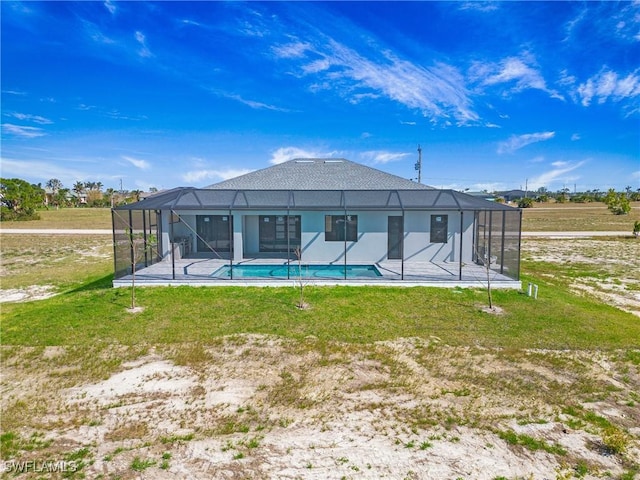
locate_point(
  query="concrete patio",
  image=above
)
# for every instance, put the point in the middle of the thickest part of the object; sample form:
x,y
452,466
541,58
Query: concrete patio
x,y
199,272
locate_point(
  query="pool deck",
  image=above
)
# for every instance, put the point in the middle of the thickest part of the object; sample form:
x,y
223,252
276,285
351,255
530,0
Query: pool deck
x,y
197,272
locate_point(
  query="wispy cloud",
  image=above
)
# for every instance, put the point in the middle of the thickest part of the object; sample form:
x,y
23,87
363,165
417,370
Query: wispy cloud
x,y
138,163
109,5
254,104
382,157
196,176
575,137
608,85
516,142
22,131
14,92
144,50
438,91
479,6
560,169
291,50
29,118
284,154
521,72
408,123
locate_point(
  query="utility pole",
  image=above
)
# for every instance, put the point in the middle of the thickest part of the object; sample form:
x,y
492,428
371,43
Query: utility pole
x,y
419,164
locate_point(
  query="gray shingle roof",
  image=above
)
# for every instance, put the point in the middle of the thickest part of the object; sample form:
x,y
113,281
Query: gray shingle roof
x,y
213,199
318,174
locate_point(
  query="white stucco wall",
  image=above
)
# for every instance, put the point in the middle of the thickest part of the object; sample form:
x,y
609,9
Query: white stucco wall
x,y
372,243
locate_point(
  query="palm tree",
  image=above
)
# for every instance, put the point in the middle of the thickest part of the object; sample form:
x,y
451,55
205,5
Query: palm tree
x,y
78,189
109,193
55,185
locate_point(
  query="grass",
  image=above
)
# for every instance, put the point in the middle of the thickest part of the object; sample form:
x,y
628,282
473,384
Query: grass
x,y
576,217
96,313
452,338
71,218
63,261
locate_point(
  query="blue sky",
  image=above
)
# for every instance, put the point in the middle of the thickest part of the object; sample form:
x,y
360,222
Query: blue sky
x,y
499,95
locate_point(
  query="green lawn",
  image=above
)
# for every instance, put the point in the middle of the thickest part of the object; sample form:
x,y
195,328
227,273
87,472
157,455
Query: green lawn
x,y
96,313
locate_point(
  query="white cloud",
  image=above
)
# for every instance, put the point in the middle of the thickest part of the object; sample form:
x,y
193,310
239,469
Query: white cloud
x,y
479,6
291,50
608,85
519,71
30,118
196,176
557,173
41,170
144,50
438,91
109,5
575,137
141,164
516,142
408,123
381,156
284,154
254,104
22,131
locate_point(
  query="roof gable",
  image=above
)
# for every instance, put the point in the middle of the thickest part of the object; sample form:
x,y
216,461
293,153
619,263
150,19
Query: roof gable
x,y
318,174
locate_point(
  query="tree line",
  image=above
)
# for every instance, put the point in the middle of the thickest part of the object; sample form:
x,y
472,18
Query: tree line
x,y
619,203
21,200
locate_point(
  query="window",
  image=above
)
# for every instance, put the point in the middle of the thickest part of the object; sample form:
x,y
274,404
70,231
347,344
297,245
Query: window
x,y
439,230
335,228
273,232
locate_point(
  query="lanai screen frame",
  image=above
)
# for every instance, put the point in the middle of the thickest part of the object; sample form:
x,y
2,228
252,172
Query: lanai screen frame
x,y
497,227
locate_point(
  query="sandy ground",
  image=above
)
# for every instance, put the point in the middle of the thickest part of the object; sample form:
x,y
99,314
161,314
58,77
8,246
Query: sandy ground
x,y
615,266
262,407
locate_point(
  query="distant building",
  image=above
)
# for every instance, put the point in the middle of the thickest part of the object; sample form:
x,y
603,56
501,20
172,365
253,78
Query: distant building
x,y
513,195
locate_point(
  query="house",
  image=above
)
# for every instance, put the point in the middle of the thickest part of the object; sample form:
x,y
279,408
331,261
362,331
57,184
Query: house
x,y
339,220
513,195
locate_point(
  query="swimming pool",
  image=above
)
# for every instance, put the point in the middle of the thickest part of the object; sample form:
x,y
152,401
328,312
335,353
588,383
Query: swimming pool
x,y
308,271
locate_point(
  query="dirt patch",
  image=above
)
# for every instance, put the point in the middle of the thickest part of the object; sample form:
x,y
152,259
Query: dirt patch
x,y
33,292
609,268
264,407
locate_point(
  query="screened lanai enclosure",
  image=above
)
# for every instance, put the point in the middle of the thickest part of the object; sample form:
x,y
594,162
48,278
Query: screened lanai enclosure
x,y
190,236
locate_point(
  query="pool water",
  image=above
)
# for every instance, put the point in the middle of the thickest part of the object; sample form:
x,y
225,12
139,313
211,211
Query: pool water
x,y
308,271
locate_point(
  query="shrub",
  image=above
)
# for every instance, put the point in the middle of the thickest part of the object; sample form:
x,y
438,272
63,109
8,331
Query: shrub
x,y
525,202
617,203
